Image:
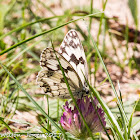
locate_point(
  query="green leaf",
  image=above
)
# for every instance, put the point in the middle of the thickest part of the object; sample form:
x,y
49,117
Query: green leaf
x,y
3,11
138,106
134,10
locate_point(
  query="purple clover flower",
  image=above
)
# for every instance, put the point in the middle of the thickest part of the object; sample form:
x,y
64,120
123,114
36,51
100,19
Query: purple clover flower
x,y
72,122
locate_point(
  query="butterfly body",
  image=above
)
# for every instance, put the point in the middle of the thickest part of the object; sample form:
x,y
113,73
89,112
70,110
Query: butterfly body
x,y
73,61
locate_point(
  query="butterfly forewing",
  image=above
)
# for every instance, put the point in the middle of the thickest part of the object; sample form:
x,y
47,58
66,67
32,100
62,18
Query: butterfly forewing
x,y
72,49
51,79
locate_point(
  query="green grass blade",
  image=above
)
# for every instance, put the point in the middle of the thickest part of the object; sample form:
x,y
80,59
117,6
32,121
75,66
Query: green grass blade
x,y
130,128
134,10
45,32
109,78
130,125
108,112
73,96
31,99
19,54
26,25
91,11
7,126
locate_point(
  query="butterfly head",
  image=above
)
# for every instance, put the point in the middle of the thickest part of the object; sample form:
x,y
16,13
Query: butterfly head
x,y
85,90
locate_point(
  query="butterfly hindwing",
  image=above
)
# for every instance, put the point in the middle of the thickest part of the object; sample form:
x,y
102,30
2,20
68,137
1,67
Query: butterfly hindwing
x,y
72,50
51,79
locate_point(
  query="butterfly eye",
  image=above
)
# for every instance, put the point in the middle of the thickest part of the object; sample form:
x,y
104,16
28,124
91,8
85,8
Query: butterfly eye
x,y
87,92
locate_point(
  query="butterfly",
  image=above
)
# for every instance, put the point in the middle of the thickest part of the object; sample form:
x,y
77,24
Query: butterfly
x,y
73,61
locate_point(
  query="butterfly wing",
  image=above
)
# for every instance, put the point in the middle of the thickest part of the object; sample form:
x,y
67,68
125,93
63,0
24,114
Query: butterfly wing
x,y
51,79
72,50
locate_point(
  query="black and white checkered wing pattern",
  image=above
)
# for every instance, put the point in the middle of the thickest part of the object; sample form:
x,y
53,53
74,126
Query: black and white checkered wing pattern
x,y
51,79
72,50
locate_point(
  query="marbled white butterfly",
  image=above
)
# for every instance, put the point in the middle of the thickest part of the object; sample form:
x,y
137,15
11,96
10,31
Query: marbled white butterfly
x,y
73,61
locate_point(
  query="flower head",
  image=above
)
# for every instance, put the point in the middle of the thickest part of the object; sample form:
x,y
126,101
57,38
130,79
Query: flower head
x,y
72,122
